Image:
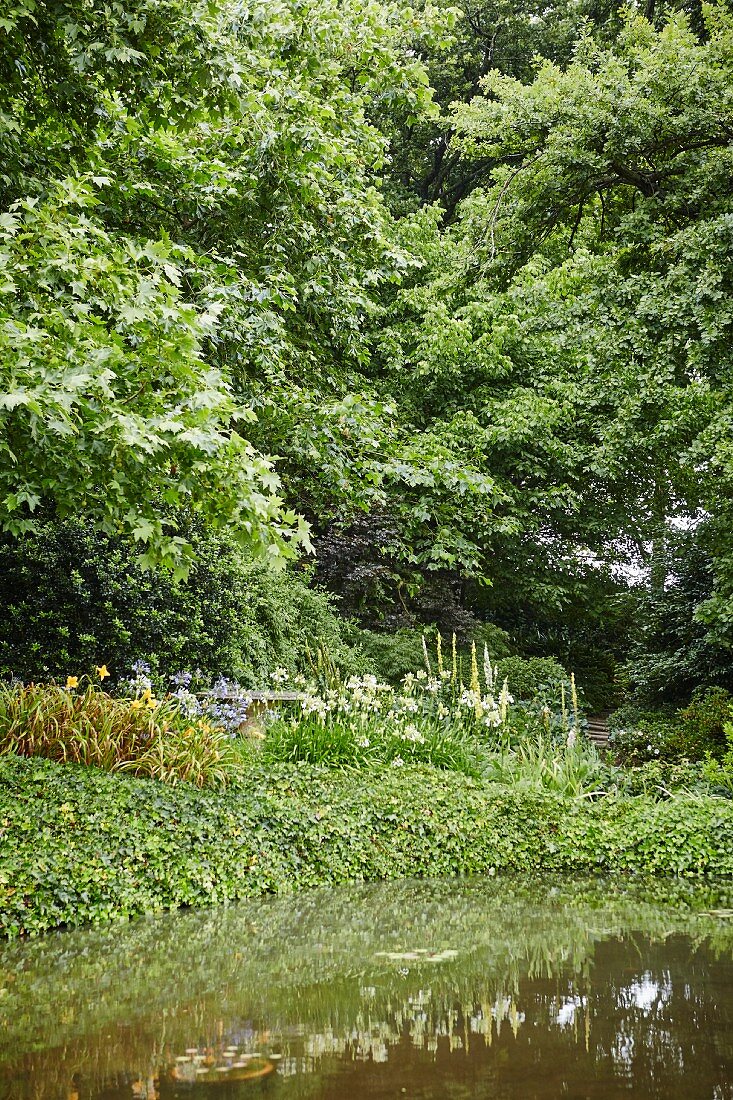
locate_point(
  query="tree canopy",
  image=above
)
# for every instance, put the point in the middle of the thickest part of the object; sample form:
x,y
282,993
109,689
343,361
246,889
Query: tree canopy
x,y
444,289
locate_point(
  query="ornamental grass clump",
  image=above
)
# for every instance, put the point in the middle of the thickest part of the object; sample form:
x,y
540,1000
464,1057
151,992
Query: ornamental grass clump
x,y
80,723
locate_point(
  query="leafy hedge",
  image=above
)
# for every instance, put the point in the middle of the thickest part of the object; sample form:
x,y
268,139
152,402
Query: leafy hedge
x,y
79,845
72,598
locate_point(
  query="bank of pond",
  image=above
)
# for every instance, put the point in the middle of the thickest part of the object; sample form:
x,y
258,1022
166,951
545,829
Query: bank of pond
x,y
81,845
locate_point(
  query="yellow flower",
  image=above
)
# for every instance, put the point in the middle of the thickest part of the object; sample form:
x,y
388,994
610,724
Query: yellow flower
x,y
102,671
136,704
147,695
151,703
72,681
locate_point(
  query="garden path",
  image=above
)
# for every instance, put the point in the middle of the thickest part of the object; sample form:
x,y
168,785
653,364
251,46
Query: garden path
x,y
598,730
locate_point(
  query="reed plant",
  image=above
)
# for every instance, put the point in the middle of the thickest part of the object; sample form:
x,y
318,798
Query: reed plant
x,y
81,723
573,770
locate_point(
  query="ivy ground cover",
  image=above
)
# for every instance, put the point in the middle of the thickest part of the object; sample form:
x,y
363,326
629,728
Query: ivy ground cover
x,y
79,845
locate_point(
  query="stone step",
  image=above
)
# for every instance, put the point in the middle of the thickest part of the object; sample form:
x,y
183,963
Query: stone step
x,y
598,731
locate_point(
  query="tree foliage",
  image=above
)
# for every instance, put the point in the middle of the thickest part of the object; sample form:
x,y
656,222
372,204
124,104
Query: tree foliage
x,y
190,247
573,324
255,266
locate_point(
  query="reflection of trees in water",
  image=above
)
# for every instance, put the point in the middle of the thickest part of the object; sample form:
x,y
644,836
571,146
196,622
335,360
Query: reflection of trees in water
x,y
551,981
656,1018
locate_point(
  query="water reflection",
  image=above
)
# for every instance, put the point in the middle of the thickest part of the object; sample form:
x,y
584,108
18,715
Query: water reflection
x,y
425,990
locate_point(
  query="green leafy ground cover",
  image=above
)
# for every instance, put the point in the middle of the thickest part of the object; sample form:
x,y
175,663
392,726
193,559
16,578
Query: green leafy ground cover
x,y
79,845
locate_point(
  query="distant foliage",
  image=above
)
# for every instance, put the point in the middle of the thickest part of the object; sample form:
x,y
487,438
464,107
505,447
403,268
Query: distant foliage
x,y
684,630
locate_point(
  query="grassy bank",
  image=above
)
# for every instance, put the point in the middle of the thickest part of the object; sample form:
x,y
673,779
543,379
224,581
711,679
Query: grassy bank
x,y
80,845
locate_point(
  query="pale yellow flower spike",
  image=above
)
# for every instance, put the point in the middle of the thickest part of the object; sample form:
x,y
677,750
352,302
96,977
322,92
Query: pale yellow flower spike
x,y
428,666
475,684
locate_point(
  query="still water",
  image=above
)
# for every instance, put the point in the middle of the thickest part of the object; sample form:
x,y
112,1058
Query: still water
x,y
490,989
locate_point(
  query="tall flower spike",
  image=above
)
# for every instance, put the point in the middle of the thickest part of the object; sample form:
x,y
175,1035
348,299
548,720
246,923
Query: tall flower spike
x,y
439,650
504,701
488,671
475,684
574,697
426,655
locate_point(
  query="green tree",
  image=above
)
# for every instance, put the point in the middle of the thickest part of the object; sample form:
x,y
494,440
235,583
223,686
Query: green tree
x,y
573,324
192,243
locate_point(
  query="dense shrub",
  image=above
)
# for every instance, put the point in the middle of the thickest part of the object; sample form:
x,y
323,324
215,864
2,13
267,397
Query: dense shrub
x,y
391,655
637,736
539,678
81,845
702,723
664,778
395,655
493,638
719,773
691,733
71,598
144,737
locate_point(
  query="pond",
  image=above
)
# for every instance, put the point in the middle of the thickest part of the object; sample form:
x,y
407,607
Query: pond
x,y
449,989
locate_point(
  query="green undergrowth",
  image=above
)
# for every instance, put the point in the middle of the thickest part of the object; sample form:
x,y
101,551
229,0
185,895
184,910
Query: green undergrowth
x,y
79,845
